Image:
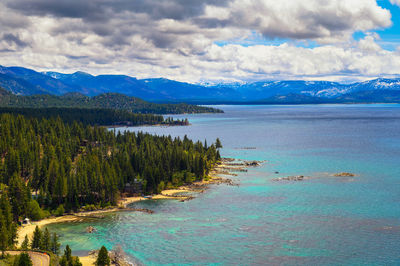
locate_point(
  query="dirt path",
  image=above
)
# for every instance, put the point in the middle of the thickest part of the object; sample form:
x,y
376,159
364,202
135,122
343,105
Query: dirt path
x,y
38,259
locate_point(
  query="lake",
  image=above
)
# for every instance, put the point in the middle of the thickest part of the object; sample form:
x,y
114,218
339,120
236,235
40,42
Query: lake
x,y
325,220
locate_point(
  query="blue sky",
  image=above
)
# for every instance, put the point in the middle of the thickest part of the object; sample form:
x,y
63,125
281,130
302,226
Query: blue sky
x,y
390,36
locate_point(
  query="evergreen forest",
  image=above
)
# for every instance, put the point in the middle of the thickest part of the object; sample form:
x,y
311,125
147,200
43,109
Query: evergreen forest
x,y
95,116
50,166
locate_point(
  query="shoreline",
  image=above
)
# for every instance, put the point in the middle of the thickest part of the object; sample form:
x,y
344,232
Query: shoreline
x,y
79,216
90,259
147,125
225,167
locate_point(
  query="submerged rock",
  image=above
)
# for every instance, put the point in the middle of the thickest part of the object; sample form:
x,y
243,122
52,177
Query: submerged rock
x,y
186,199
344,174
291,178
90,229
143,210
302,178
253,163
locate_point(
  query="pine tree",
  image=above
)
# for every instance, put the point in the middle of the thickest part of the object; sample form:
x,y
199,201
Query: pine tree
x,y
68,260
55,245
3,234
218,144
103,259
8,217
7,210
68,253
18,196
3,239
37,238
46,241
25,243
23,260
75,261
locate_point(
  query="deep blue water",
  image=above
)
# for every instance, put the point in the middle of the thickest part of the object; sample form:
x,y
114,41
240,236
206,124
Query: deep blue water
x,y
323,221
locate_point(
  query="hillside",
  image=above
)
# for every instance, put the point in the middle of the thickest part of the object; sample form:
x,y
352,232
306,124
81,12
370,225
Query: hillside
x,y
109,100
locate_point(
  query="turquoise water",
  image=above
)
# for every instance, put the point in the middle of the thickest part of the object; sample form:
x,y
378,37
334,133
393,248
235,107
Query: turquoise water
x,y
323,221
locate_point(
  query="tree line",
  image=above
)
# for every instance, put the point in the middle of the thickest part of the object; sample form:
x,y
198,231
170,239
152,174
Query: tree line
x,y
95,116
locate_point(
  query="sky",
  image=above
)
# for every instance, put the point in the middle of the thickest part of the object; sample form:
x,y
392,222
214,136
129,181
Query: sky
x,y
205,41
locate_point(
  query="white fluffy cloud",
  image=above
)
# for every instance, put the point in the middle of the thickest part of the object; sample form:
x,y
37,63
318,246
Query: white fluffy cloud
x,y
323,20
177,38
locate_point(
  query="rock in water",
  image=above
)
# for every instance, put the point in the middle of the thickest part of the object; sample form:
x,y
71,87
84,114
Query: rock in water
x,y
290,178
344,174
90,229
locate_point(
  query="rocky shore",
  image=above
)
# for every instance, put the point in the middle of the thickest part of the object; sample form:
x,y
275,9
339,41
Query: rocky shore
x,y
117,257
230,165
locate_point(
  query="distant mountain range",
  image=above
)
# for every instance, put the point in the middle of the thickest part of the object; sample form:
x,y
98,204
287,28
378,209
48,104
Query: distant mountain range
x,y
23,81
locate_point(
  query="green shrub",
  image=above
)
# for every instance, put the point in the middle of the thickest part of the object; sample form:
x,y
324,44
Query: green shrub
x,y
160,187
59,211
34,210
89,207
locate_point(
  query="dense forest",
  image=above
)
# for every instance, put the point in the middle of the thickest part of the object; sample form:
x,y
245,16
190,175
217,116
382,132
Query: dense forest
x,y
107,101
49,166
100,117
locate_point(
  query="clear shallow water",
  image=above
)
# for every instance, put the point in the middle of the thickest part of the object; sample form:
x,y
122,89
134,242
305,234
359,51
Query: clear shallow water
x,y
324,221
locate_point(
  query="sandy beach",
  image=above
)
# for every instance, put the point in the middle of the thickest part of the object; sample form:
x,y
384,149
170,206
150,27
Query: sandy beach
x,y
76,217
198,186
28,229
88,260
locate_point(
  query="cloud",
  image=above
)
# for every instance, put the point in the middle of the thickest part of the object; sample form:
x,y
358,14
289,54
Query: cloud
x,y
177,38
12,39
395,2
322,20
98,9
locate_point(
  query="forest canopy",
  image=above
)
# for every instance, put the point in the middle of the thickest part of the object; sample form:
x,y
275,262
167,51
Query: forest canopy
x,y
94,116
104,101
49,166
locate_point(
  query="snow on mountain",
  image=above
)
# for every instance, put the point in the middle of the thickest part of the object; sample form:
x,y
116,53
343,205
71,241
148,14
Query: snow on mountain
x,y
27,82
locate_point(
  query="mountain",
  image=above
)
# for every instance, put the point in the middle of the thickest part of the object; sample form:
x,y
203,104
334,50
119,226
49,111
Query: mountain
x,y
150,89
377,90
94,85
269,89
180,91
23,81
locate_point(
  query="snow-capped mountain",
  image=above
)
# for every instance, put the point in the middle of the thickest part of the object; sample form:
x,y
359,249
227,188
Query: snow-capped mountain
x,y
25,81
